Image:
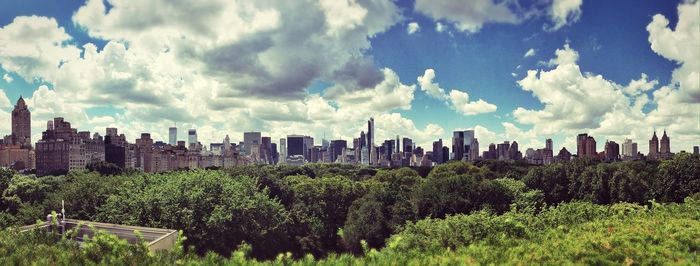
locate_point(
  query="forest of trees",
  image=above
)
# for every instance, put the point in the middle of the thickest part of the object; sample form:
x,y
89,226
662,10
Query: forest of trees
x,y
492,211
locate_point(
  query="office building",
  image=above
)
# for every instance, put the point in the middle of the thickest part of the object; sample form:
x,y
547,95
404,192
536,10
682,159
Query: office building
x,y
295,145
251,143
370,141
629,150
336,149
172,136
612,151
192,139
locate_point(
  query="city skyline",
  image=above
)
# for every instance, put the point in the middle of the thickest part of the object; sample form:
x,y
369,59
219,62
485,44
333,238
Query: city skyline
x,y
530,75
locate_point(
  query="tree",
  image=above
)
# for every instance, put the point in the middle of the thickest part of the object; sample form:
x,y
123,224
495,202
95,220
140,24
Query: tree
x,y
678,178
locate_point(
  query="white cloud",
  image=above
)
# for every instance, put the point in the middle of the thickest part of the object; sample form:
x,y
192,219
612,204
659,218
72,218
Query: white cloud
x,y
429,87
456,99
412,28
7,78
530,53
467,15
4,101
563,12
35,47
460,102
575,102
439,27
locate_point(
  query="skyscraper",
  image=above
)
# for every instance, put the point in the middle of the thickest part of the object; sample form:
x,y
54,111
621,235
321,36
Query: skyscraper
x,y
457,145
548,144
629,149
283,149
398,145
581,144
612,151
665,147
336,148
266,150
295,145
251,143
172,136
407,145
370,140
474,150
653,147
192,139
438,156
308,145
22,123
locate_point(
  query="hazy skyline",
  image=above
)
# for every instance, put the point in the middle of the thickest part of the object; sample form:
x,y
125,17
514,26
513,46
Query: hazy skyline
x,y
512,70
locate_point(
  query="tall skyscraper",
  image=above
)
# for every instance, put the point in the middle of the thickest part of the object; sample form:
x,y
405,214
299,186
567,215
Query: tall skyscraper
x,y
457,145
266,150
22,123
474,150
665,147
172,136
226,144
308,145
295,145
370,140
438,156
336,148
111,131
581,144
612,151
407,145
653,147
251,143
548,144
398,145
585,146
192,139
283,149
629,149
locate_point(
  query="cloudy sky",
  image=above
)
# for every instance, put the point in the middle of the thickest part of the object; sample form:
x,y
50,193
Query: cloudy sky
x,y
510,69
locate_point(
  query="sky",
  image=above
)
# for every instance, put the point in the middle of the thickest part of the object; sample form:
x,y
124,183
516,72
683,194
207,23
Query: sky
x,y
511,70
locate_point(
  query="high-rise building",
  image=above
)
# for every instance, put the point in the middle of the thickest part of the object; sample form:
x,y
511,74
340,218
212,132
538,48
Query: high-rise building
x,y
226,144
438,156
665,147
407,145
474,150
548,144
192,139
336,149
585,146
295,145
172,136
111,131
612,151
398,145
457,145
696,150
266,150
283,149
22,123
251,143
653,147
308,144
370,141
629,150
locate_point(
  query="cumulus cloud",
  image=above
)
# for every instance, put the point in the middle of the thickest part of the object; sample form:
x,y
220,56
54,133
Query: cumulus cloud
x,y
469,15
439,27
580,102
7,78
563,12
4,101
456,99
412,28
530,53
35,47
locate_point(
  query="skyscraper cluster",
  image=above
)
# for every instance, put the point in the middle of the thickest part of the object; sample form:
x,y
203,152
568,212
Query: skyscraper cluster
x,y
63,148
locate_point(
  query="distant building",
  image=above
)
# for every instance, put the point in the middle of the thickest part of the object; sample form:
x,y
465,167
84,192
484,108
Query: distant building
x,y
295,145
586,146
653,148
696,150
63,149
192,139
665,147
251,144
336,149
22,124
612,151
437,155
370,141
629,150
564,155
172,136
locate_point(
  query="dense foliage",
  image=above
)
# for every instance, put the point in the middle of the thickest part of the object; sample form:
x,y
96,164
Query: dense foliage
x,y
455,212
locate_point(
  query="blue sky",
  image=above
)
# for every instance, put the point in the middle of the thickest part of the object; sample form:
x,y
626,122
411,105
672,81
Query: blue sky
x,y
262,78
